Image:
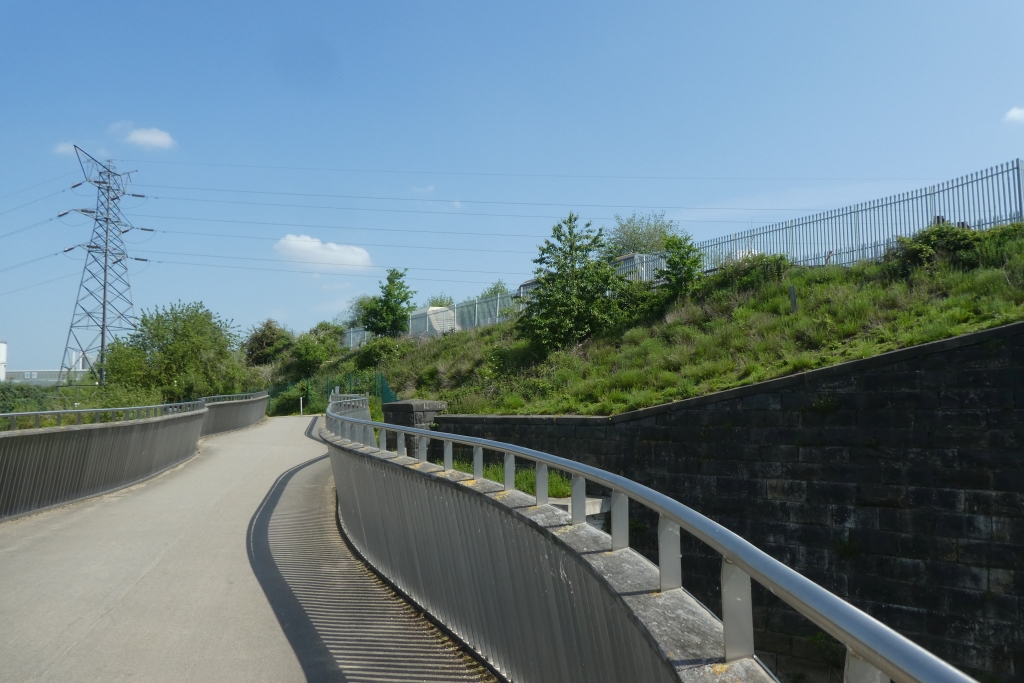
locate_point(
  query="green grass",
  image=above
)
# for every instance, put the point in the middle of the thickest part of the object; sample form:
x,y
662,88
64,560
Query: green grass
x,y
559,485
737,330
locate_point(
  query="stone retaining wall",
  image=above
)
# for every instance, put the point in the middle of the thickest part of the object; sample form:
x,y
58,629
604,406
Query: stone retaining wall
x,y
896,481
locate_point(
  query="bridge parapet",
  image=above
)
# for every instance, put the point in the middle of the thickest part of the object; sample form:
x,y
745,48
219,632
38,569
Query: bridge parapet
x,y
51,458
542,596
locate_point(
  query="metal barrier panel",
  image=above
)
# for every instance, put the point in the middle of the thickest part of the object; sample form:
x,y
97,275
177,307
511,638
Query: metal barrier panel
x,y
40,468
226,416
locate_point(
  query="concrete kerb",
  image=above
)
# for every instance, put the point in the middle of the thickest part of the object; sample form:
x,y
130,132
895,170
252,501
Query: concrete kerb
x,y
686,636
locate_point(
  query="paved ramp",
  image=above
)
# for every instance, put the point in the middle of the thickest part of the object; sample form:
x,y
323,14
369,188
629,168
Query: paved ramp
x,y
227,568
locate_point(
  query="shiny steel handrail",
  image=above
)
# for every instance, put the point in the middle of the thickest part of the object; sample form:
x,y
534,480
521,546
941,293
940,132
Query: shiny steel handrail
x,y
870,644
222,398
156,410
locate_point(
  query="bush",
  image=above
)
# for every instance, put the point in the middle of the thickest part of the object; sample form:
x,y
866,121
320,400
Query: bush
x,y
267,343
376,352
183,352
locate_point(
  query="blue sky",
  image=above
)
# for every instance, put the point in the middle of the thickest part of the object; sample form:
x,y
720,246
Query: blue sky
x,y
448,137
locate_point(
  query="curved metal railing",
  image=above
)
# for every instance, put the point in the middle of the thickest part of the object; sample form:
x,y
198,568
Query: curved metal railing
x,y
221,398
59,418
873,649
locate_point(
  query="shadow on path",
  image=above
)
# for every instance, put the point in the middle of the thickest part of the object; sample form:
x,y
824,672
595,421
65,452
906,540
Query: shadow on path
x,y
342,621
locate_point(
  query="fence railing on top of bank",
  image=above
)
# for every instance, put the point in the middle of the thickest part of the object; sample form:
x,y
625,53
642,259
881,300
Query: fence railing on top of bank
x,y
854,233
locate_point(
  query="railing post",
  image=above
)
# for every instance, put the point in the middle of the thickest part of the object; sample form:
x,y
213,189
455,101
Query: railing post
x,y
447,455
421,448
510,471
620,520
737,614
60,419
478,462
859,670
370,438
668,554
78,418
383,439
401,443
578,502
542,483
14,423
37,420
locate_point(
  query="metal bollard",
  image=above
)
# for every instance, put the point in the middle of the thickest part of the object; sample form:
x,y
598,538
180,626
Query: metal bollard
x,y
737,614
510,471
578,502
620,520
668,555
542,483
858,670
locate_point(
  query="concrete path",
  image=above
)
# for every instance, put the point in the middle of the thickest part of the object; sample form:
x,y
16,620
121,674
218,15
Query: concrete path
x,y
227,568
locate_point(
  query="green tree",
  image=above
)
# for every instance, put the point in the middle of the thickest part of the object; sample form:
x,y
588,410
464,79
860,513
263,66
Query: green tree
x,y
498,287
576,293
684,265
639,233
352,316
315,348
184,351
387,314
442,300
266,343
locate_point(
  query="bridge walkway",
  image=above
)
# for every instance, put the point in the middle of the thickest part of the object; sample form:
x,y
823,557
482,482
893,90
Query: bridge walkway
x,y
226,568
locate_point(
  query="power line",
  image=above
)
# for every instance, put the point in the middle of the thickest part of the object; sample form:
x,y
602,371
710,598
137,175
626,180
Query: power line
x,y
355,244
38,284
32,187
374,210
27,227
34,201
30,261
409,230
513,175
312,272
471,201
322,263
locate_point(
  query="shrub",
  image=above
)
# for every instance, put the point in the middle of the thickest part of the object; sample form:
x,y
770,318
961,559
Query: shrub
x,y
376,352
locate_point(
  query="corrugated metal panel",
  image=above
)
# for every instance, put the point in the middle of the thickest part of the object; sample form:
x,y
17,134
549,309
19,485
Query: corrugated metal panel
x,y
40,468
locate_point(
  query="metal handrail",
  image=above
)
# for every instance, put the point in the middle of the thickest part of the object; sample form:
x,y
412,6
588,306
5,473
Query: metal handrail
x,y
140,413
221,398
872,647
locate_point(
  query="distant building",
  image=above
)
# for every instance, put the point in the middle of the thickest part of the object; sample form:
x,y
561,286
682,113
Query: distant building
x,y
41,378
3,360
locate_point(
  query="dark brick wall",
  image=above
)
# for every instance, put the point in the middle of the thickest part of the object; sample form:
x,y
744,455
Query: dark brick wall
x,y
896,481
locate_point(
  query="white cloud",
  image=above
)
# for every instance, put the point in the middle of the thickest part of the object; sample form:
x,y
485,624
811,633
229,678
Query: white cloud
x,y
1015,115
150,138
323,255
456,204
64,148
429,189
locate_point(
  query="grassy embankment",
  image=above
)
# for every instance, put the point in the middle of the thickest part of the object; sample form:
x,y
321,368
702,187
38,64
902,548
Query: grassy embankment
x,y
736,329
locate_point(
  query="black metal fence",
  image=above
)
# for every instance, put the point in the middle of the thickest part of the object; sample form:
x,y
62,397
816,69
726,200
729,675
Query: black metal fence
x,y
864,231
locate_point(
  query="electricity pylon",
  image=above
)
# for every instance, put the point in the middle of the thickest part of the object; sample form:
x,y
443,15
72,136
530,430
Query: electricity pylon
x,y
104,306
